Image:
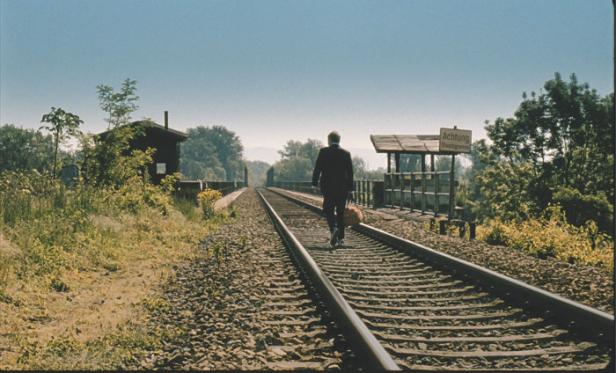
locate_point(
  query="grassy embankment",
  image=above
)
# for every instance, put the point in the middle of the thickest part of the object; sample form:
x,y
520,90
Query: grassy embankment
x,y
80,268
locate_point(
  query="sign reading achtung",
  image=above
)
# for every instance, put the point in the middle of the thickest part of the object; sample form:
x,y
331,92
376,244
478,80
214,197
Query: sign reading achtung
x,y
455,140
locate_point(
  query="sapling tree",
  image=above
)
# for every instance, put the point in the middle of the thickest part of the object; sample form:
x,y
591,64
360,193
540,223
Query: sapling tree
x,y
62,125
103,161
118,105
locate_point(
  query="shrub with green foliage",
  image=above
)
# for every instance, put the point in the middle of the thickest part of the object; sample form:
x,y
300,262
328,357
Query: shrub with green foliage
x,y
25,149
558,148
581,209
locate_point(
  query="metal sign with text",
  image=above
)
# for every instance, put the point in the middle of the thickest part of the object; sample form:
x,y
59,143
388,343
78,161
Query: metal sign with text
x,y
455,140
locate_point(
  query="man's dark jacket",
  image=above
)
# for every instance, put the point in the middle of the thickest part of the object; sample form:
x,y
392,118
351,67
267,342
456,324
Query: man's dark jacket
x,y
335,168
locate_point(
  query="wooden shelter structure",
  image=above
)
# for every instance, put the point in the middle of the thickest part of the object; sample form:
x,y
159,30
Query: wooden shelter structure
x,y
166,141
398,184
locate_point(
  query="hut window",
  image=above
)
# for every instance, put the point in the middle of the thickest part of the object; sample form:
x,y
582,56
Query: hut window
x,y
161,168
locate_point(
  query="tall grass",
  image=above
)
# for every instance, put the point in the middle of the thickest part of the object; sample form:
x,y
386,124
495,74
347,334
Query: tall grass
x,y
57,229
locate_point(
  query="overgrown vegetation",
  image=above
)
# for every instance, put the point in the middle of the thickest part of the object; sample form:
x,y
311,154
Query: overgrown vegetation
x,y
57,228
557,149
109,218
544,183
551,236
207,198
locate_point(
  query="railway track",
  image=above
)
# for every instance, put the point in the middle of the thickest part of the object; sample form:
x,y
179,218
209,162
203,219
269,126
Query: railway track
x,y
425,311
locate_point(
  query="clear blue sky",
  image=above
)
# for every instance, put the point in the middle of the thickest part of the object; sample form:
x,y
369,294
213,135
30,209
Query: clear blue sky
x,y
276,70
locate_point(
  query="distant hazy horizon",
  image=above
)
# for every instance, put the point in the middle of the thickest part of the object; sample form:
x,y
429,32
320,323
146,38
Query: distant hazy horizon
x,y
277,70
271,155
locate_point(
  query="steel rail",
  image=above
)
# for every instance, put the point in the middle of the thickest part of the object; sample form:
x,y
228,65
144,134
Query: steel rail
x,y
353,327
587,321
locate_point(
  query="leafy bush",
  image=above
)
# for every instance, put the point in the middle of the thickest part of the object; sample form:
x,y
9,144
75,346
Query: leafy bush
x,y
207,198
552,236
580,208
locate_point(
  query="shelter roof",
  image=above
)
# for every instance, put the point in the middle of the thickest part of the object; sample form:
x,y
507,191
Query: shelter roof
x,y
178,135
409,144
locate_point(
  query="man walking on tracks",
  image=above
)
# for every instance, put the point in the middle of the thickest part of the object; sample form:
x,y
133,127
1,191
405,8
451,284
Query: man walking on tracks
x,y
335,168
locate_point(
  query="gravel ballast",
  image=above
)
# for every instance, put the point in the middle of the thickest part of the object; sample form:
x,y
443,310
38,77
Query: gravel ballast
x,y
244,306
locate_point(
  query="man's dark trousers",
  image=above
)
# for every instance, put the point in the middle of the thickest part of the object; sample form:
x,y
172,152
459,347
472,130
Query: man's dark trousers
x,y
333,202
334,169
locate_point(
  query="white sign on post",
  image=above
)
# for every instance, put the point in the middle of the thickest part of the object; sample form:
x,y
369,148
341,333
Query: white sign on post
x,y
455,140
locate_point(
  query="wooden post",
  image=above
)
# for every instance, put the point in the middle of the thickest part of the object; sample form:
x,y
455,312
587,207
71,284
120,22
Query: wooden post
x,y
362,194
397,157
412,191
452,190
245,176
437,187
401,190
471,227
388,163
434,206
462,226
442,228
386,189
423,183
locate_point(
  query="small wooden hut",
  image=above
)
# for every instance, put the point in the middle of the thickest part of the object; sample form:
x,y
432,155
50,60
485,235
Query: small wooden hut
x,y
166,141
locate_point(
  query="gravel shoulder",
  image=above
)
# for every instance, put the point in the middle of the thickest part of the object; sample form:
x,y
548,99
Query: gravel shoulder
x,y
588,285
243,306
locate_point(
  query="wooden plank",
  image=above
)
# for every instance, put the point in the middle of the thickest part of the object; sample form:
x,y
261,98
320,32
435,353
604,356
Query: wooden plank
x,y
409,293
417,300
498,339
428,308
479,316
493,354
393,281
403,287
499,326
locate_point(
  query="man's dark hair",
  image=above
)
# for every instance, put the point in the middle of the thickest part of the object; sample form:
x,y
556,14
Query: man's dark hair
x,y
333,137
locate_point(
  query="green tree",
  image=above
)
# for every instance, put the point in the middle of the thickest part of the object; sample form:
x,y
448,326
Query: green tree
x,y
558,143
104,156
293,169
297,160
62,125
25,149
212,153
296,149
359,168
118,105
257,172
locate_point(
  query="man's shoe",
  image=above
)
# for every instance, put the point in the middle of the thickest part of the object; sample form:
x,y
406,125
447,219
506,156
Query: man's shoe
x,y
341,242
334,238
